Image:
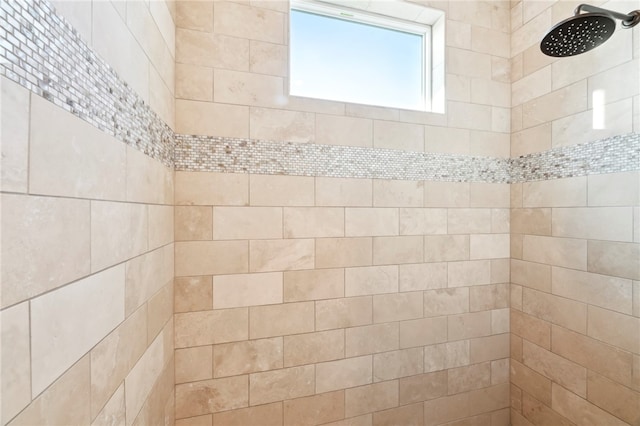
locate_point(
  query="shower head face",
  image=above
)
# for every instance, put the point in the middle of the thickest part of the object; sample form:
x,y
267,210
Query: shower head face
x,y
577,35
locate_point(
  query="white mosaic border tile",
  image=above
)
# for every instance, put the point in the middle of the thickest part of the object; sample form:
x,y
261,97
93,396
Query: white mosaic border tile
x,y
42,52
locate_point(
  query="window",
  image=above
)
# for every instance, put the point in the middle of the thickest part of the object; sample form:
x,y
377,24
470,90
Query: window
x,y
356,56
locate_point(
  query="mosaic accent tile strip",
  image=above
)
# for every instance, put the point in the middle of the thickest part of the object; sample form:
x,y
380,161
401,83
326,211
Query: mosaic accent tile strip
x,y
202,153
229,155
42,52
611,155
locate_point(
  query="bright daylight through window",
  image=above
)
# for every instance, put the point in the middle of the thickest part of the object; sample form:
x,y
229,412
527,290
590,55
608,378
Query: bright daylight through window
x,y
349,55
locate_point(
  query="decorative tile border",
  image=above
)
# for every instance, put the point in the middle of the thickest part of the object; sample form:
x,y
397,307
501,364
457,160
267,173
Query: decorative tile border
x,y
202,153
611,155
42,52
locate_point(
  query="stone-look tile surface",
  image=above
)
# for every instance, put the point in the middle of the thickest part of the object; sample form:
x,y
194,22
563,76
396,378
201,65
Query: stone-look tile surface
x,y
211,396
16,368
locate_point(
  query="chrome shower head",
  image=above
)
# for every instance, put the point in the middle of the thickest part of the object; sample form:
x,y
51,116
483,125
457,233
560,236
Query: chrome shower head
x,y
584,31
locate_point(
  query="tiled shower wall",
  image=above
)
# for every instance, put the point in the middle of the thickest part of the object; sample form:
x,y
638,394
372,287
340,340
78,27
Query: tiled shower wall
x,y
575,268
310,300
87,236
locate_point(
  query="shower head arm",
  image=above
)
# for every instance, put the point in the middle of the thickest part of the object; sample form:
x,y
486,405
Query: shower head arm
x,y
628,20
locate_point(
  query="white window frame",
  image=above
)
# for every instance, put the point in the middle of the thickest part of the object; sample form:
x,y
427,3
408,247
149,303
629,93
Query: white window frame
x,y
424,30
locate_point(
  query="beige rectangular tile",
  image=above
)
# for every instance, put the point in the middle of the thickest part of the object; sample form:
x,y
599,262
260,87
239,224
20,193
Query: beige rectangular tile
x,y
402,136
567,192
194,15
205,420
212,50
446,194
560,103
114,410
561,371
500,271
469,116
144,374
211,396
145,275
313,222
469,273
531,382
417,221
281,125
193,294
15,136
208,327
370,339
422,276
614,398
232,359
315,284
465,326
211,257
70,157
422,387
614,328
243,223
466,63
486,297
243,21
208,118
446,355
16,367
614,189
393,250
315,409
531,328
446,409
341,252
395,364
339,130
194,82
397,307
593,354
531,221
364,222
612,258
267,415
371,280
537,412
600,290
422,332
488,348
193,223
281,255
243,88
371,398
148,180
268,58
442,248
45,244
342,374
276,320
60,336
597,223
232,291
344,192
273,190
446,301
205,188
494,246
313,347
578,410
463,379
558,310
344,312
566,252
397,193
409,415
469,221
489,399
278,385
159,311
119,231
160,226
66,401
193,364
489,195
529,274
